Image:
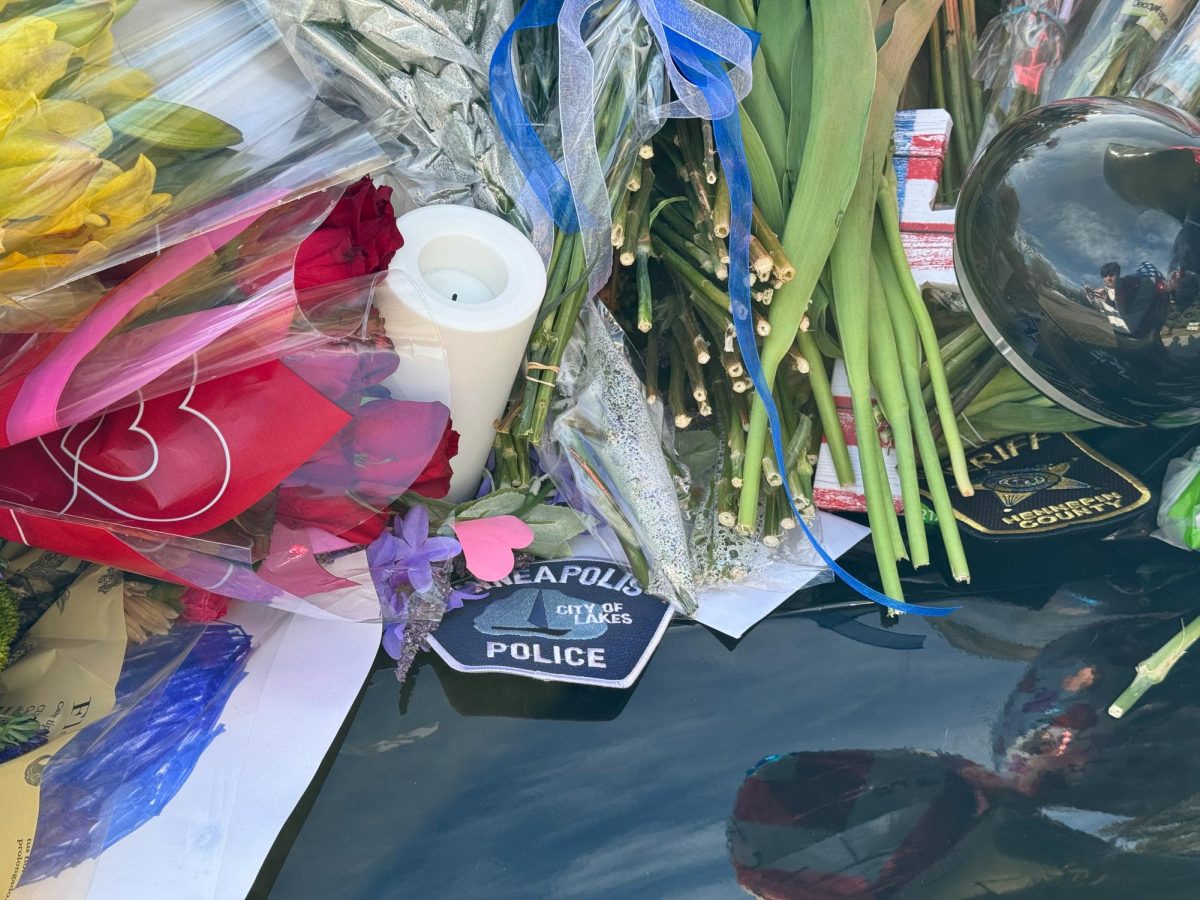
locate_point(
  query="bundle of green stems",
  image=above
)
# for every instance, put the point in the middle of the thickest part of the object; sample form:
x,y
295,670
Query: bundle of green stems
x,y
822,112
618,30
989,399
952,46
673,242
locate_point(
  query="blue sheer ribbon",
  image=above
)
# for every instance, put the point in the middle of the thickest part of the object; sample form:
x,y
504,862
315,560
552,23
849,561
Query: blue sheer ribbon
x,y
545,178
700,56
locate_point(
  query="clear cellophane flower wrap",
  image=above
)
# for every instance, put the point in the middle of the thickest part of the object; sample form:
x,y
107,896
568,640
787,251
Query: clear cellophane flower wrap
x,y
1019,52
120,772
60,677
424,64
1174,79
1116,47
139,442
151,350
128,127
101,721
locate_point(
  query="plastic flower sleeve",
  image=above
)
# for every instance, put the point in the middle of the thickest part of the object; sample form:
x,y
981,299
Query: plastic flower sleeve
x,y
137,132
1179,505
425,66
1019,52
1116,47
177,487
180,317
125,768
1174,79
610,456
595,85
60,677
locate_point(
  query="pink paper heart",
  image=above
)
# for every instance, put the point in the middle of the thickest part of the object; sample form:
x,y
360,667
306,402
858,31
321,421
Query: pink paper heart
x,y
488,544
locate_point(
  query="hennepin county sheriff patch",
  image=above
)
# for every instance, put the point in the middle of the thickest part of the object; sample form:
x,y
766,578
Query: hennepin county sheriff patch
x,y
1031,484
581,621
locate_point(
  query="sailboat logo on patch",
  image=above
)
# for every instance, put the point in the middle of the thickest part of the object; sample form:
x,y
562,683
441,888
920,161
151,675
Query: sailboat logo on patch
x,y
537,613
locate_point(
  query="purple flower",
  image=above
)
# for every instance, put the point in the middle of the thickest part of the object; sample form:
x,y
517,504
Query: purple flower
x,y
454,600
404,553
393,639
394,606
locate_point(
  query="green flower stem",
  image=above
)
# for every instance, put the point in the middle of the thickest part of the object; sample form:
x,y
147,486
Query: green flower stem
x,y
564,325
676,390
683,246
890,219
1154,668
851,306
818,379
843,75
652,366
885,367
907,342
960,364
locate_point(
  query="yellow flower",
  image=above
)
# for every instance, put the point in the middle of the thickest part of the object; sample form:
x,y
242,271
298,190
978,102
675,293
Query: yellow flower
x,y
110,88
22,276
12,104
111,207
41,174
124,199
68,118
30,58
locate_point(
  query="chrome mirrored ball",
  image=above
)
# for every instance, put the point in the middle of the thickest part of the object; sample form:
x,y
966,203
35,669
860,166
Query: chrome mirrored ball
x,y
1077,247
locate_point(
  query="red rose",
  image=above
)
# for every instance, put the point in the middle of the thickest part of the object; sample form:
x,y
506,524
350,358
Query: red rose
x,y
358,237
203,606
434,482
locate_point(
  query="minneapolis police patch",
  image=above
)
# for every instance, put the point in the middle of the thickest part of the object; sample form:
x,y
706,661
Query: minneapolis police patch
x,y
581,621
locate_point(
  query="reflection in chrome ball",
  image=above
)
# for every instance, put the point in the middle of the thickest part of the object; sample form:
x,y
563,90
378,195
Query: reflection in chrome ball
x,y
1077,246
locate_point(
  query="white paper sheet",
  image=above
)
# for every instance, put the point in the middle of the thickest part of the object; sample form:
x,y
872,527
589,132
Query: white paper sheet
x,y
211,839
733,609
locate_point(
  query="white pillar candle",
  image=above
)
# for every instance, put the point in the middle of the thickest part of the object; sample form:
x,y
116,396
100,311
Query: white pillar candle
x,y
480,282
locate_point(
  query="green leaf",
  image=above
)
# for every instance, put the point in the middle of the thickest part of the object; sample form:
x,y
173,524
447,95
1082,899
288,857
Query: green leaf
x,y
501,503
762,175
801,105
553,527
780,23
734,10
764,108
